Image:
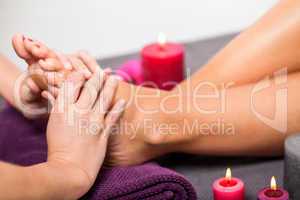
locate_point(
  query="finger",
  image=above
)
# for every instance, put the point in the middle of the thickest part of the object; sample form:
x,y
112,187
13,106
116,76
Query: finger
x,y
48,96
18,45
107,94
79,66
54,78
70,90
113,116
35,69
108,70
91,90
64,60
118,77
33,86
27,95
51,64
89,61
37,75
33,106
53,90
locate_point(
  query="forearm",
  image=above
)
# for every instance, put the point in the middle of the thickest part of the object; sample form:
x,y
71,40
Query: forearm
x,y
9,73
41,181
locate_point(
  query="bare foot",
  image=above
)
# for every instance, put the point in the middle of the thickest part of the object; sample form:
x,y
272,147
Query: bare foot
x,y
124,150
128,147
30,50
38,57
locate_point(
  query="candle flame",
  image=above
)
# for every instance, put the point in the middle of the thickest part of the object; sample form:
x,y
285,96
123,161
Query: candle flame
x,y
162,39
273,183
228,174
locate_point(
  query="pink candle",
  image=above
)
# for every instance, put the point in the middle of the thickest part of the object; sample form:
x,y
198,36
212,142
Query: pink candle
x,y
131,72
273,192
228,188
163,64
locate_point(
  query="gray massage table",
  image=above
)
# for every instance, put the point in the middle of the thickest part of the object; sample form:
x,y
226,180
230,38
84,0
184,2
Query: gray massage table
x,y
202,171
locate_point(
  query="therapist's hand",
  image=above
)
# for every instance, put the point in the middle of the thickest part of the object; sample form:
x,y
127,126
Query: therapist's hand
x,y
47,69
79,126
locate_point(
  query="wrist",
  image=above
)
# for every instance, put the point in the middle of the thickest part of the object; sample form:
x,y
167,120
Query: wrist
x,y
58,180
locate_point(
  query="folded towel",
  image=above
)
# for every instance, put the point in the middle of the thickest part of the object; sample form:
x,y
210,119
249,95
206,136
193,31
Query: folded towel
x,y
23,142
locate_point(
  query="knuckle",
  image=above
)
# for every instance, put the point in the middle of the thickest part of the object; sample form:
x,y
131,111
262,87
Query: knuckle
x,y
112,118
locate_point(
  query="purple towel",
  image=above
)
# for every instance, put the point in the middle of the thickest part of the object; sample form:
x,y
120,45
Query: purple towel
x,y
23,142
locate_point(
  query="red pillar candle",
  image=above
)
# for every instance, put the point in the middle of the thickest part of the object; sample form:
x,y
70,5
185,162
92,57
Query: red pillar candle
x,y
163,64
273,192
228,188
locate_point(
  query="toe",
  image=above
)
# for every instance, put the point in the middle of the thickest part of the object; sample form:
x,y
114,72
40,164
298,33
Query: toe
x,y
19,47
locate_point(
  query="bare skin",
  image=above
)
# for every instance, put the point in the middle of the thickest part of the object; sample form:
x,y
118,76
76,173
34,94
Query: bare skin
x,y
71,167
267,46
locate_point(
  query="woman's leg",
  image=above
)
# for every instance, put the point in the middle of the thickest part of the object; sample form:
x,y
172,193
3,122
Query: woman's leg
x,y
252,119
270,44
267,46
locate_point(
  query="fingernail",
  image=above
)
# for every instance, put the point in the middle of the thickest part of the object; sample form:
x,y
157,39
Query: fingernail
x,y
60,75
29,39
122,103
117,77
83,73
68,65
47,62
42,62
120,78
88,73
108,70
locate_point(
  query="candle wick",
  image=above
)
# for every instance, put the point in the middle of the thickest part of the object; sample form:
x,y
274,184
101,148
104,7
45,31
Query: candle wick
x,y
228,181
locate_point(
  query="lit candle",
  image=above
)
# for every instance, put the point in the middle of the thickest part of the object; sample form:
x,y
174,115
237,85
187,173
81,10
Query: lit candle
x,y
163,63
273,192
228,188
